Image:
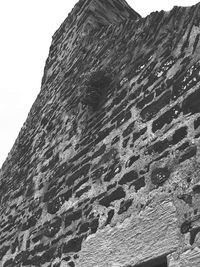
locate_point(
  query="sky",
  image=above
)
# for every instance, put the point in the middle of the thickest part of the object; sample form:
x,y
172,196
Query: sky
x,y
26,28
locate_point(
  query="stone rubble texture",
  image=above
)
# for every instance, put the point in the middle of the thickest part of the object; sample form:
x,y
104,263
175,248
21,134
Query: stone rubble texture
x,y
118,185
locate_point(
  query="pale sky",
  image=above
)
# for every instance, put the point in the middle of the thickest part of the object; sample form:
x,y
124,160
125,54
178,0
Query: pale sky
x,y
26,27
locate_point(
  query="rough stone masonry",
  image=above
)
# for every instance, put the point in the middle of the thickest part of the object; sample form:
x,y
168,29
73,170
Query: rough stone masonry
x,y
106,169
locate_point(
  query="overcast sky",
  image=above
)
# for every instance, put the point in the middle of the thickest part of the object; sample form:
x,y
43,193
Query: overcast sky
x,y
26,27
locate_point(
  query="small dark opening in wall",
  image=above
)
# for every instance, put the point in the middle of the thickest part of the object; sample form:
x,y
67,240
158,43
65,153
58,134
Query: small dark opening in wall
x,y
159,262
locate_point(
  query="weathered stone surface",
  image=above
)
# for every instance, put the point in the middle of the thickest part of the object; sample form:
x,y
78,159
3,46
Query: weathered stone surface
x,y
140,238
106,169
189,258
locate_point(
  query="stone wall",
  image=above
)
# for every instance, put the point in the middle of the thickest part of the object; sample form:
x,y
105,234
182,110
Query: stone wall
x,y
106,169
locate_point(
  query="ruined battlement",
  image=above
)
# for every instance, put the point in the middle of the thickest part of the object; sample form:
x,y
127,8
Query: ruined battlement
x,y
106,168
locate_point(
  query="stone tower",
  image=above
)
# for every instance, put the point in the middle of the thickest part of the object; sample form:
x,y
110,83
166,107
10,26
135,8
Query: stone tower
x,y
106,169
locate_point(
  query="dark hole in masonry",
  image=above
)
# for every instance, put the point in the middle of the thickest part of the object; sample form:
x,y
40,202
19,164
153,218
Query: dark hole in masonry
x,y
96,88
158,262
